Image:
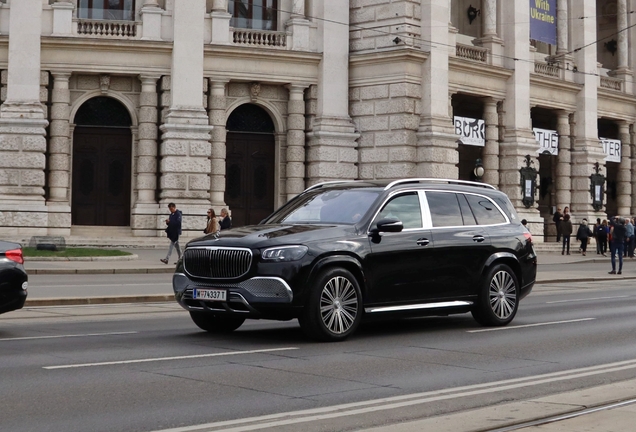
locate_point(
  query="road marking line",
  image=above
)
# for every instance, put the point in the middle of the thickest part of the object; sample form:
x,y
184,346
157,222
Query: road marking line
x,y
395,402
67,336
169,358
579,300
529,325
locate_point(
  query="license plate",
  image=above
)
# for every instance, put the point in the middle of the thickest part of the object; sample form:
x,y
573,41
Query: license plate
x,y
209,294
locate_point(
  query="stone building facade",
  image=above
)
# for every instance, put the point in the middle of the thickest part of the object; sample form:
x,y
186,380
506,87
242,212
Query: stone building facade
x,y
111,110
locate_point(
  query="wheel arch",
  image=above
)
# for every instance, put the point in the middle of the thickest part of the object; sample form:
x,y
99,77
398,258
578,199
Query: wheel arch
x,y
505,258
348,262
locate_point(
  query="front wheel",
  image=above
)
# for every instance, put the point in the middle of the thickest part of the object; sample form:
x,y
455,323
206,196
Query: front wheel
x,y
216,323
334,307
498,297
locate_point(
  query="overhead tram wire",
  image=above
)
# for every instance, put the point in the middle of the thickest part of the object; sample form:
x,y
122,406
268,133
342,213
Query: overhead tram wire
x,y
433,45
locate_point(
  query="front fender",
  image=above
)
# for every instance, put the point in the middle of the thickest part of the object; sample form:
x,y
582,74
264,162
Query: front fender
x,y
348,262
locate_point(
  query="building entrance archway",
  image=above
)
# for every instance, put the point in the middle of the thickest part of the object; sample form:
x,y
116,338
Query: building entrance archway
x,y
102,153
250,165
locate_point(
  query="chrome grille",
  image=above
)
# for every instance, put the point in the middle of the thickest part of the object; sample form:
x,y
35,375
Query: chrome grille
x,y
217,262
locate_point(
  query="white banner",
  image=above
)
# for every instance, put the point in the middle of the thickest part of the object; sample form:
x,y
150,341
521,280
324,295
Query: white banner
x,y
470,131
612,149
548,141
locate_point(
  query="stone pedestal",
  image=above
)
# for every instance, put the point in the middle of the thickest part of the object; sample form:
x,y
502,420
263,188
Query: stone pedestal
x,y
299,29
151,15
62,18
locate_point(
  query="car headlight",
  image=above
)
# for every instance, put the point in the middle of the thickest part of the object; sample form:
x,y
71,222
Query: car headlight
x,y
284,253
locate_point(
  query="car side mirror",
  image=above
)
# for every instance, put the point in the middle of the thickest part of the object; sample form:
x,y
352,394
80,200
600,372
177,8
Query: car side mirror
x,y
387,225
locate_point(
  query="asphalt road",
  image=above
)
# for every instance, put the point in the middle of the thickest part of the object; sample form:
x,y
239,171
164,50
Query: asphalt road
x,y
146,367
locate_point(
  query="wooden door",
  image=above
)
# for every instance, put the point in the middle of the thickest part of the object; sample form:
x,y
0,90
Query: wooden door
x,y
249,184
101,176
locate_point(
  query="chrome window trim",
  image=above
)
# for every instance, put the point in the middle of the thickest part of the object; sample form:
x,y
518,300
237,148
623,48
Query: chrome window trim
x,y
388,198
466,226
418,306
438,180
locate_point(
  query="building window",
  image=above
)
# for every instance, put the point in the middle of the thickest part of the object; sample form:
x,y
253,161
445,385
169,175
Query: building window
x,y
119,10
254,14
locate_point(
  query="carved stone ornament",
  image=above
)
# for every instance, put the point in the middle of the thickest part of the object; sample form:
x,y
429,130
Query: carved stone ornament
x,y
255,90
104,82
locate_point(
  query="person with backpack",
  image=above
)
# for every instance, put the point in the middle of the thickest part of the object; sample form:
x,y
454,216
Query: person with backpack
x,y
583,235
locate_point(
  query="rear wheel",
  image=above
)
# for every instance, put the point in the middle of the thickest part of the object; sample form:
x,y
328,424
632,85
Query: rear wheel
x,y
498,297
334,308
216,323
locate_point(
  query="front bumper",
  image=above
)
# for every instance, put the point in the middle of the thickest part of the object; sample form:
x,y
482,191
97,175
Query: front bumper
x,y
249,297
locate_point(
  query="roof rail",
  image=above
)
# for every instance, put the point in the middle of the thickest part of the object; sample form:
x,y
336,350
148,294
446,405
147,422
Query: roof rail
x,y
319,185
438,180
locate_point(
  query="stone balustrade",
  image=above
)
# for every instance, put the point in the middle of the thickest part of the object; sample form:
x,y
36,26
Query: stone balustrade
x,y
107,28
547,69
259,38
612,83
472,53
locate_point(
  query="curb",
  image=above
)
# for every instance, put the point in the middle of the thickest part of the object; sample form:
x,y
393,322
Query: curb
x,y
100,271
130,257
75,301
585,279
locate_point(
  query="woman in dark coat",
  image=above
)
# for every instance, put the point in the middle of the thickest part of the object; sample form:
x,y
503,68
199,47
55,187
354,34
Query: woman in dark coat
x,y
582,235
566,232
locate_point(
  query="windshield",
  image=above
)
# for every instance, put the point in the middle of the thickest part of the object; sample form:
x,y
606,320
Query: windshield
x,y
342,206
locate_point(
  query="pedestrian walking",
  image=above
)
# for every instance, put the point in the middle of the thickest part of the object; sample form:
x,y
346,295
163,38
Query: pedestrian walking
x,y
212,227
601,237
595,230
617,244
633,241
629,238
226,222
557,218
583,235
566,232
173,231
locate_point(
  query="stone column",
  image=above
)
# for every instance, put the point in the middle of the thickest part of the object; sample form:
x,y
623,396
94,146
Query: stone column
x,y
298,25
436,141
144,213
562,27
220,23
563,181
62,18
295,140
518,140
185,147
490,39
624,180
22,127
59,145
623,70
151,19
490,154
586,148
632,141
217,102
332,141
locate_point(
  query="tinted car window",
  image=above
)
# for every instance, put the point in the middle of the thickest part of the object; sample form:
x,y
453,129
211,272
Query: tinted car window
x,y
406,208
506,205
444,208
485,210
327,206
467,214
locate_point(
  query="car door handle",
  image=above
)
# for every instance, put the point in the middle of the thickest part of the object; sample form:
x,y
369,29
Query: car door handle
x,y
423,242
478,238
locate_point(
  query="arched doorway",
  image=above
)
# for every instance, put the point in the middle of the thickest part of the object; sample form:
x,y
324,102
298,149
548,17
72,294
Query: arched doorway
x,y
249,165
102,144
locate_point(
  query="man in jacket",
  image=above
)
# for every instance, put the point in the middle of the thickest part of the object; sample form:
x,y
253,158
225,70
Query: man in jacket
x,y
173,231
557,221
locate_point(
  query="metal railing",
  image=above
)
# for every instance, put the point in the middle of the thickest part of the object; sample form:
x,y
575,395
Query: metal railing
x,y
259,38
612,83
472,53
547,69
107,28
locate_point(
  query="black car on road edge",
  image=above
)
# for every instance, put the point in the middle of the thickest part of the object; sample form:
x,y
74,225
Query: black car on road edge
x,y
13,277
343,251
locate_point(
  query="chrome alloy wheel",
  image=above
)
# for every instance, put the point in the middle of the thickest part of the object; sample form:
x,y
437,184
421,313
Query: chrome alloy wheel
x,y
502,294
338,305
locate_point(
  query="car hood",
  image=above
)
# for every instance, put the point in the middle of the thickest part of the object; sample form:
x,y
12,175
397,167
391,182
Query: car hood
x,y
257,236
